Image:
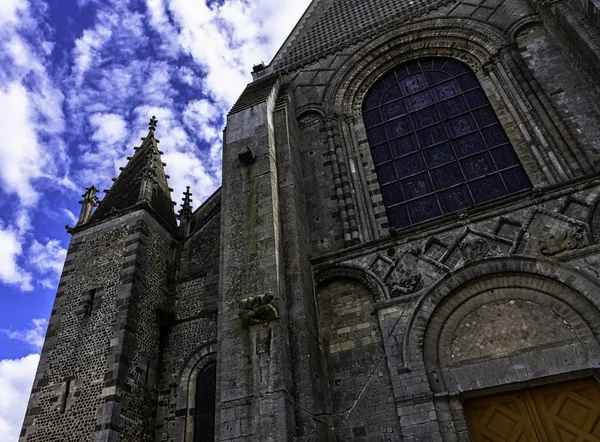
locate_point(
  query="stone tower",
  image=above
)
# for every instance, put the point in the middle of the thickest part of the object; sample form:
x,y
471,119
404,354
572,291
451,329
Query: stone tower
x,y
405,246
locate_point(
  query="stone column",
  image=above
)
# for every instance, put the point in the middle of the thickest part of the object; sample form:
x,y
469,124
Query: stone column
x,y
254,371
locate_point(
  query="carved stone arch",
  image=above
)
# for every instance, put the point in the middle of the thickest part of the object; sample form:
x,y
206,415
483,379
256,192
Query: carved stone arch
x,y
349,271
474,43
310,108
310,115
520,25
186,390
547,287
487,51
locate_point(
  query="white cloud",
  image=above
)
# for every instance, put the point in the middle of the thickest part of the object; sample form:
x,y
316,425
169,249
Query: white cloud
x,y
188,170
87,48
47,258
240,33
202,117
109,128
9,10
10,271
70,216
160,23
31,123
16,380
186,75
22,221
22,159
33,336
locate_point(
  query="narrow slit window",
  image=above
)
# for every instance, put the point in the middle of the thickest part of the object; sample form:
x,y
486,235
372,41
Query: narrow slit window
x,y
91,301
437,144
147,374
65,397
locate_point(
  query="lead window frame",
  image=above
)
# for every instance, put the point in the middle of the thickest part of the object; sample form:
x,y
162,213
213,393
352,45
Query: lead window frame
x,y
483,121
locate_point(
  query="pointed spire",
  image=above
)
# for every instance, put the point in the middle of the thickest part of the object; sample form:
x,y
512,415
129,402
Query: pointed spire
x,y
89,201
142,180
185,213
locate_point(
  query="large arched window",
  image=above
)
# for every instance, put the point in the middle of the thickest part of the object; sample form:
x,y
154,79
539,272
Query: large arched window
x,y
436,142
204,412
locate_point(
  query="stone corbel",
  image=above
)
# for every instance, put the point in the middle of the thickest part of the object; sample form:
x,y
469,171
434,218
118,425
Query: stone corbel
x,y
257,309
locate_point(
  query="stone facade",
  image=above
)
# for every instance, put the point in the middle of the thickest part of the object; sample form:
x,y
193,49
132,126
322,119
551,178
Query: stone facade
x,y
325,322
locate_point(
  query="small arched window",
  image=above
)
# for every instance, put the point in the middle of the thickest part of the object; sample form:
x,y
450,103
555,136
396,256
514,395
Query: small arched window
x,y
436,142
204,412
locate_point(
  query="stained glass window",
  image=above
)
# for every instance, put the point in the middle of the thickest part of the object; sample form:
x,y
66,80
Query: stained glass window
x,y
204,412
436,142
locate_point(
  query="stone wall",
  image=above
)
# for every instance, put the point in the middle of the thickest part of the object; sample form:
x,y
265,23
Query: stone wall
x,y
67,356
498,317
141,346
96,374
360,390
189,325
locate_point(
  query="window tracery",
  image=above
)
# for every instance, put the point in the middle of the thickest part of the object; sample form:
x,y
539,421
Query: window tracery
x,y
437,144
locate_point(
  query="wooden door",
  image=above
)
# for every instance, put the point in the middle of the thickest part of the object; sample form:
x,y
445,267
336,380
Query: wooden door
x,y
566,412
502,418
569,412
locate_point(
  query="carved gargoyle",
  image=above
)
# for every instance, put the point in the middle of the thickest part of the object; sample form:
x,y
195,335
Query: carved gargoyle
x,y
257,309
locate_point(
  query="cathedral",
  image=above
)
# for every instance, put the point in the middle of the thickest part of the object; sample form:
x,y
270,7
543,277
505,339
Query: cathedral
x,y
405,246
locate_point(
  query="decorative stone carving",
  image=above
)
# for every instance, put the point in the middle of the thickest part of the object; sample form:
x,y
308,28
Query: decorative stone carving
x,y
352,272
475,249
406,286
148,181
310,119
573,238
257,309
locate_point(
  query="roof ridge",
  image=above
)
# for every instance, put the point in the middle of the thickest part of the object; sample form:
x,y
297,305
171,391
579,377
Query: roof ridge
x,y
324,34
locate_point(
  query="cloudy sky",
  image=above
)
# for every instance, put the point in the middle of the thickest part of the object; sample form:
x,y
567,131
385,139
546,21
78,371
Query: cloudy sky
x,y
79,80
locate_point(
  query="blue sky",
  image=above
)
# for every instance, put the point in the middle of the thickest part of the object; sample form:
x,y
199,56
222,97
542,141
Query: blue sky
x,y
79,80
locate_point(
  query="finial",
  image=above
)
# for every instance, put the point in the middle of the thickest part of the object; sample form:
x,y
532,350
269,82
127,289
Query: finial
x,y
90,200
152,125
90,196
186,207
185,213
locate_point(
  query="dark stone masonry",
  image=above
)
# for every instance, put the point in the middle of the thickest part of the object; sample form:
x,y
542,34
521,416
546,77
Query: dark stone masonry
x,y
405,247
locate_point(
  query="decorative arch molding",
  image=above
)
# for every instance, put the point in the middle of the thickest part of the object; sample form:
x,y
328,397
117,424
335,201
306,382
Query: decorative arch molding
x,y
186,390
522,24
491,55
468,40
354,272
572,295
310,109
309,116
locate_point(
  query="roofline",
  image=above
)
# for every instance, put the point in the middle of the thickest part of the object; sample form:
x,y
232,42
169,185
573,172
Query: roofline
x,y
292,34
